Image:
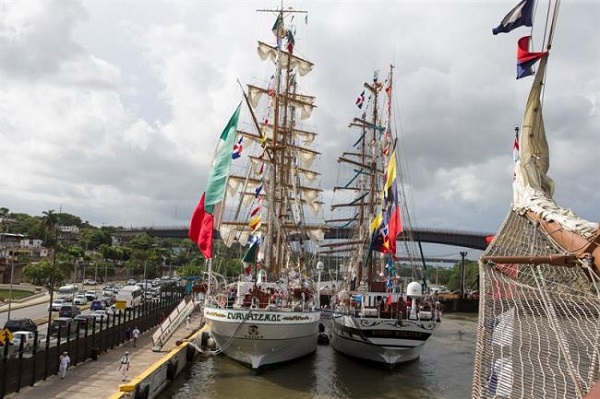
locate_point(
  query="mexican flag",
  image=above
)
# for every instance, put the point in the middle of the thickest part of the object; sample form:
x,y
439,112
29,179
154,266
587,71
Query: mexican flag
x,y
201,225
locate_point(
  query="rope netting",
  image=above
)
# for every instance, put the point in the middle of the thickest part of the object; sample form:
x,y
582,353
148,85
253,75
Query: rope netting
x,y
539,328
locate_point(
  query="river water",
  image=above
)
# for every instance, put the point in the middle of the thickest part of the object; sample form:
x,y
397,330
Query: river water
x,y
444,371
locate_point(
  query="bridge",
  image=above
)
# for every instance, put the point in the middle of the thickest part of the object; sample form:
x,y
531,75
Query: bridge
x,y
464,239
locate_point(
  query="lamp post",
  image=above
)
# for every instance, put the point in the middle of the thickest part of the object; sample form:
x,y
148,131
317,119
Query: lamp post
x,y
320,267
462,274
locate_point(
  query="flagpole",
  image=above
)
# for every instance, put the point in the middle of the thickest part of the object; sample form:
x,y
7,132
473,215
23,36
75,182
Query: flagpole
x,y
209,279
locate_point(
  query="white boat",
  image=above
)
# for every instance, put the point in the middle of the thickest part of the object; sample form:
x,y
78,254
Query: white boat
x,y
370,316
271,206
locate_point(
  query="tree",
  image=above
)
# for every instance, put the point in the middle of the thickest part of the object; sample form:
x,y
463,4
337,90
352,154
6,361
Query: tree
x,y
43,273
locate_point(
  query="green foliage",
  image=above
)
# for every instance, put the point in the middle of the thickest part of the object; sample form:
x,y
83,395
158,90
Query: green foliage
x,y
42,273
471,276
190,270
92,238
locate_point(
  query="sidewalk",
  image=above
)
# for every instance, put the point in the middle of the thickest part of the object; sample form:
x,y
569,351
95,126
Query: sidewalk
x,y
100,379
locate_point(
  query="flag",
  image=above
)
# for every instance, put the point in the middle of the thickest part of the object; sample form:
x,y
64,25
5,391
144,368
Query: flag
x,y
521,15
201,225
252,253
237,149
255,222
516,147
384,238
290,41
259,188
525,58
277,29
360,100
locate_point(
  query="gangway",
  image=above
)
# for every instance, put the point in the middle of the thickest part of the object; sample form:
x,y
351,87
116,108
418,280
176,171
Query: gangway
x,y
171,324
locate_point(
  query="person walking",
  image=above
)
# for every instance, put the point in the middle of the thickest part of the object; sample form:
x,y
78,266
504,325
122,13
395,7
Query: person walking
x,y
63,363
187,322
124,366
135,334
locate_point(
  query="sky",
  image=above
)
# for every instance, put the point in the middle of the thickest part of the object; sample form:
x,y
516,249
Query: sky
x,y
111,110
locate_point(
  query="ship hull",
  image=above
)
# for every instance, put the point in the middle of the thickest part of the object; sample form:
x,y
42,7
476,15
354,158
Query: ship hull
x,y
259,337
385,341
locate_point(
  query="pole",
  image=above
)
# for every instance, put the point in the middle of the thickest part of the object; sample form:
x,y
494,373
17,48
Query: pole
x,y
462,274
10,298
320,267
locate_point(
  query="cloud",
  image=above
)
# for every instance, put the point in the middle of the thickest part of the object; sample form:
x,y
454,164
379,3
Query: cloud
x,y
112,111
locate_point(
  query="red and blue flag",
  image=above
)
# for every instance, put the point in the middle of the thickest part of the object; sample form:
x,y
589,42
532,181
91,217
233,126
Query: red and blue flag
x,y
525,58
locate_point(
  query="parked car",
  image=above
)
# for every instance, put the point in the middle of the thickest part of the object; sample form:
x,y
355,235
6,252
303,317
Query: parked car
x,y
69,311
131,281
56,304
27,337
89,282
83,319
62,324
20,325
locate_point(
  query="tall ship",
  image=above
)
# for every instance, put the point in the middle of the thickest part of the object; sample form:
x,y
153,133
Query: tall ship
x,y
538,329
381,313
263,196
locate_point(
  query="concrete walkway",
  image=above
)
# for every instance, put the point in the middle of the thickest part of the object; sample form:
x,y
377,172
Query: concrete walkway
x,y
100,379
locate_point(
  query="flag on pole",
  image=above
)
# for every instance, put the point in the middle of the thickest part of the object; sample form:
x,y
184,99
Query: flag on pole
x,y
384,238
521,15
525,58
251,254
516,147
277,29
201,225
290,41
237,149
360,100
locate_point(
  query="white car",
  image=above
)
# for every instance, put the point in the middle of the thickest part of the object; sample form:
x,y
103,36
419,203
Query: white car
x,y
27,337
89,282
56,304
80,299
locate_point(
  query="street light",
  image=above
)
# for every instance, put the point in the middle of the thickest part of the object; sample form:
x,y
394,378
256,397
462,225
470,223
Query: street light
x,y
462,273
320,267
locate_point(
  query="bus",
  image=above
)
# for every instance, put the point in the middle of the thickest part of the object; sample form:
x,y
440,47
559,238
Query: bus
x,y
67,292
131,295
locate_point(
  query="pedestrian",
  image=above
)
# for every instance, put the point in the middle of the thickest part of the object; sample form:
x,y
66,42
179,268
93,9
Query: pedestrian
x,y
187,322
127,333
63,363
124,366
135,334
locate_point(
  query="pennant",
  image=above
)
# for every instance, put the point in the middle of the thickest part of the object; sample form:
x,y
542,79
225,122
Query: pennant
x,y
258,189
521,15
525,58
237,149
360,100
202,222
255,222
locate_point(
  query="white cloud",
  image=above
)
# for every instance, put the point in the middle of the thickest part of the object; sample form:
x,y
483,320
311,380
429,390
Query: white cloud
x,y
112,110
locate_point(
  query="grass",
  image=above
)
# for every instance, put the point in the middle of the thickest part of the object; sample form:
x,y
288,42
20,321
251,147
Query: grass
x,y
16,294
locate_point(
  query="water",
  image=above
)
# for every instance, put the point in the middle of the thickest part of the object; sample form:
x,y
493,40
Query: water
x,y
444,371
